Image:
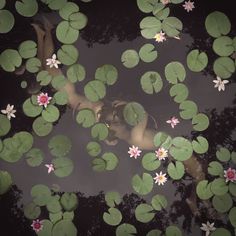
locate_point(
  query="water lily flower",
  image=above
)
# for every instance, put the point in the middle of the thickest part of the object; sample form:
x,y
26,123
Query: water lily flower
x,y
43,99
161,153
188,6
9,111
160,37
53,62
230,175
37,225
173,121
220,84
134,152
208,227
160,178
165,2
50,168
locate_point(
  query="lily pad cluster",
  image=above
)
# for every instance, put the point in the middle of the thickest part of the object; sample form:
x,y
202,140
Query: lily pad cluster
x,y
60,208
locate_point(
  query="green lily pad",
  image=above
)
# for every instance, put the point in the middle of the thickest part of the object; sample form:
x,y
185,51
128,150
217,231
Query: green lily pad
x,y
232,189
224,67
147,53
32,211
200,145
5,125
10,58
173,231
222,203
69,201
47,228
68,9
179,92
188,109
160,11
112,199
99,164
181,149
7,21
172,26
2,3
68,54
232,217
34,157
126,230
28,49
154,232
174,72
108,74
78,20
200,122
41,127
59,145
130,58
51,113
215,168
93,149
197,61
41,194
221,232
33,65
111,160
133,113
68,215
95,90
55,217
86,118
159,202
57,4
223,154
162,139
27,8
61,97
63,228
76,73
24,141
5,182
233,157
150,161
63,166
66,33
150,26
217,24
44,78
30,109
223,46
23,84
219,187
151,82
204,190
142,185
176,171
58,82
146,6
113,218
144,213
99,131
53,205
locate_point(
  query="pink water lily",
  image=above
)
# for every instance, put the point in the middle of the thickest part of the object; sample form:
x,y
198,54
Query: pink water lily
x,y
165,2
134,152
50,168
160,179
161,153
188,6
37,225
43,99
160,37
173,121
230,175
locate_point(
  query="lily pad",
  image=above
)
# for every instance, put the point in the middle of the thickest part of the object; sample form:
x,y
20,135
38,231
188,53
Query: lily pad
x,y
172,26
41,194
130,58
27,8
58,82
224,67
222,203
160,11
113,218
142,185
188,109
68,215
99,131
144,213
162,139
95,90
76,73
223,154
221,232
5,182
28,49
32,211
154,232
47,228
108,74
174,72
179,92
200,122
57,4
99,164
150,161
24,141
151,82
5,125
232,189
2,3
232,217
126,230
61,97
223,46
86,118
219,187
78,20
69,201
173,231
53,205
200,145
159,202
41,127
146,6
30,109
68,54
176,171
63,228
93,149
51,113
196,60
150,26
111,160
63,166
7,21
112,199
204,190
68,9
44,78
10,59
147,53
34,157
55,217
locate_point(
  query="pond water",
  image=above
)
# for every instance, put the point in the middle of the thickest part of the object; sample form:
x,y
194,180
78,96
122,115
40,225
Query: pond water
x,y
113,27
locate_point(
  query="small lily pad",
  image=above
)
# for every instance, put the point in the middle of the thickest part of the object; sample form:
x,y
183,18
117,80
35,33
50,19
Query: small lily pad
x,y
27,8
57,4
41,127
44,78
150,26
113,218
58,82
146,6
5,125
215,168
76,73
7,21
172,26
111,160
222,203
53,205
99,164
78,20
28,49
201,145
41,194
223,46
147,53
93,149
219,187
150,161
69,201
51,113
5,182
142,185
130,58
126,230
162,139
173,231
224,67
34,157
32,211
108,74
64,227
159,202
200,122
33,65
188,109
223,154
68,54
95,90
99,131
10,59
112,199
30,109
144,213
176,170
232,217
61,97
68,9
179,92
174,72
196,60
86,118
63,166
204,190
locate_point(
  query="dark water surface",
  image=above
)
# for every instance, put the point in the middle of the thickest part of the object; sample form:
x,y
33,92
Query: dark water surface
x,y
112,28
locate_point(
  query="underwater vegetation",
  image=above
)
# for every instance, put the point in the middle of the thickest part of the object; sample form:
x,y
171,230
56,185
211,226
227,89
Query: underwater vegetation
x,y
182,181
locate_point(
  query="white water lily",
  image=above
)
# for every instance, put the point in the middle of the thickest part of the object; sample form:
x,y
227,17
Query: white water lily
x,y
9,111
161,153
50,168
220,84
160,37
160,179
53,62
208,227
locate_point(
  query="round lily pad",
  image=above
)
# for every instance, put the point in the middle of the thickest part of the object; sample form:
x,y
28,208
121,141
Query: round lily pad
x,y
144,213
220,232
154,232
133,113
78,20
174,72
34,157
5,181
126,230
232,189
24,141
108,74
219,187
7,21
44,78
196,60
176,170
217,24
53,205
215,168
99,131
42,127
172,26
151,82
147,53
204,190
223,154
150,26
146,6
27,8
28,49
200,145
173,231
51,113
200,122
41,194
223,46
162,139
10,59
63,166
64,227
224,67
86,118
69,201
99,164
47,228
68,9
61,97
32,211
112,199
113,217
222,203
23,84
5,125
150,161
142,185
188,109
179,92
58,82
159,202
111,160
93,149
30,109
95,90
33,65
68,54
130,58
68,215
160,11
76,73
57,4
232,217
2,3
